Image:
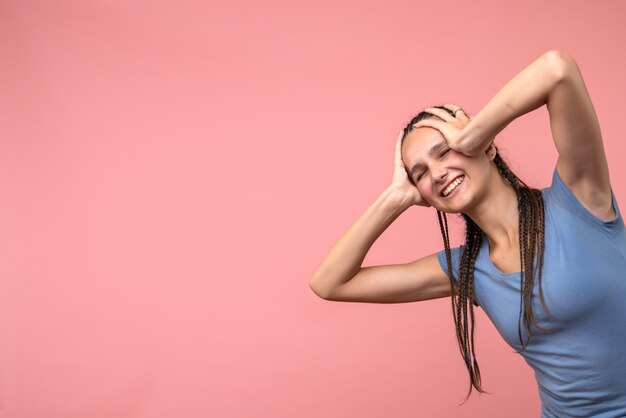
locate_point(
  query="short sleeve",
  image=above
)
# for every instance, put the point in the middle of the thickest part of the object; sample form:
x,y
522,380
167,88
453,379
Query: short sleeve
x,y
565,198
456,260
455,254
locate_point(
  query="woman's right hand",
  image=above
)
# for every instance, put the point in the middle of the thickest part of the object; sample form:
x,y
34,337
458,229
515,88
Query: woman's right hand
x,y
406,192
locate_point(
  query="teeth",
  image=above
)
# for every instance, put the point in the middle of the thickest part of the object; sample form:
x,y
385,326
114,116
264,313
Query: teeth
x,y
452,186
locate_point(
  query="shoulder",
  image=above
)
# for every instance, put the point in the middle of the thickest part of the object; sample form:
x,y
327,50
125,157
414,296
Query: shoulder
x,y
580,200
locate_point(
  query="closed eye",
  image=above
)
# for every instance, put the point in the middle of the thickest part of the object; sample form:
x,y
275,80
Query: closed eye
x,y
440,155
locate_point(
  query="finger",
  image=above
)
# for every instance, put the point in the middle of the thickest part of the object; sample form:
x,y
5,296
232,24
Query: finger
x,y
429,123
451,107
440,113
460,114
457,110
399,147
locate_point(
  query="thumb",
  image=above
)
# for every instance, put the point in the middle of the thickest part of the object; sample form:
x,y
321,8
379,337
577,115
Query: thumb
x,y
398,153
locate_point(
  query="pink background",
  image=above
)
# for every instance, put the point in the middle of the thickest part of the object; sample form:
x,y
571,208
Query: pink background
x,y
172,173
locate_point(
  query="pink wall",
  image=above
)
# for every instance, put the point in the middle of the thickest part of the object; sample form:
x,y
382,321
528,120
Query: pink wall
x,y
171,174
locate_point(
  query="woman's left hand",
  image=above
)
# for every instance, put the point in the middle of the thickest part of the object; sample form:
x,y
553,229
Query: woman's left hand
x,y
451,128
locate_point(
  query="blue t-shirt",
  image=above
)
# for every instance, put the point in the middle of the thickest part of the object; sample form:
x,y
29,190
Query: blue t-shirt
x,y
580,363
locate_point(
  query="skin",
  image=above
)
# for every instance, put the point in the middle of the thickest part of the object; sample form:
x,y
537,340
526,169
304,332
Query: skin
x,y
483,195
552,80
442,167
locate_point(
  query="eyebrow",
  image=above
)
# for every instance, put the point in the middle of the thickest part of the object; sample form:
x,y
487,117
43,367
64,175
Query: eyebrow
x,y
430,153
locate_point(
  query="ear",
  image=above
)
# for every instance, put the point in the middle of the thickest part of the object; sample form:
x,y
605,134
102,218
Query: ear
x,y
491,151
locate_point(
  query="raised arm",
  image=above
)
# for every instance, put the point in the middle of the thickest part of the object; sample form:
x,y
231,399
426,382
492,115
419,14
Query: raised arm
x,y
340,276
582,163
553,79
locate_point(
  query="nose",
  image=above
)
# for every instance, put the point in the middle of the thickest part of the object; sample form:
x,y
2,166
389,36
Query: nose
x,y
440,173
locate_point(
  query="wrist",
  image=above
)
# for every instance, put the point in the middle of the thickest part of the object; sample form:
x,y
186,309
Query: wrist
x,y
395,199
477,136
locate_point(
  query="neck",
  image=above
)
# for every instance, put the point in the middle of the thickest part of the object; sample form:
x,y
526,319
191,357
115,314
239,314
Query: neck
x,y
497,214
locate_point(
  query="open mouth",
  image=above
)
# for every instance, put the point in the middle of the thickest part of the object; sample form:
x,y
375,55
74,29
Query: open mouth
x,y
453,186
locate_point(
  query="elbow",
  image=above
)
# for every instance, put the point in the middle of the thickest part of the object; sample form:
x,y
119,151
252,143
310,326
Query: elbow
x,y
560,63
318,291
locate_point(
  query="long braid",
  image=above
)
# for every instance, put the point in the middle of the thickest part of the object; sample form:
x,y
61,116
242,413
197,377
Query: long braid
x,y
453,284
476,249
473,240
531,241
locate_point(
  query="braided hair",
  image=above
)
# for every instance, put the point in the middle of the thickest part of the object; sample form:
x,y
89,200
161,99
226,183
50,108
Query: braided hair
x,y
531,241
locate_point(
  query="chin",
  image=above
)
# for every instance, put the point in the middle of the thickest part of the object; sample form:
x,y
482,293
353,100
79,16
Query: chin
x,y
458,207
460,204
443,209
451,211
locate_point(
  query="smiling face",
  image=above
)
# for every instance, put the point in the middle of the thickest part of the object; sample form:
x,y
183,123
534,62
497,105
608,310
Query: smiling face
x,y
436,169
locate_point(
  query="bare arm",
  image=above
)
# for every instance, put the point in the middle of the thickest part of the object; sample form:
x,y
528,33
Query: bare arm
x,y
525,92
575,128
554,79
340,275
422,279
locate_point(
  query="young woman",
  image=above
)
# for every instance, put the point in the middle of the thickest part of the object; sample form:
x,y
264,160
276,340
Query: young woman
x,y
547,266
